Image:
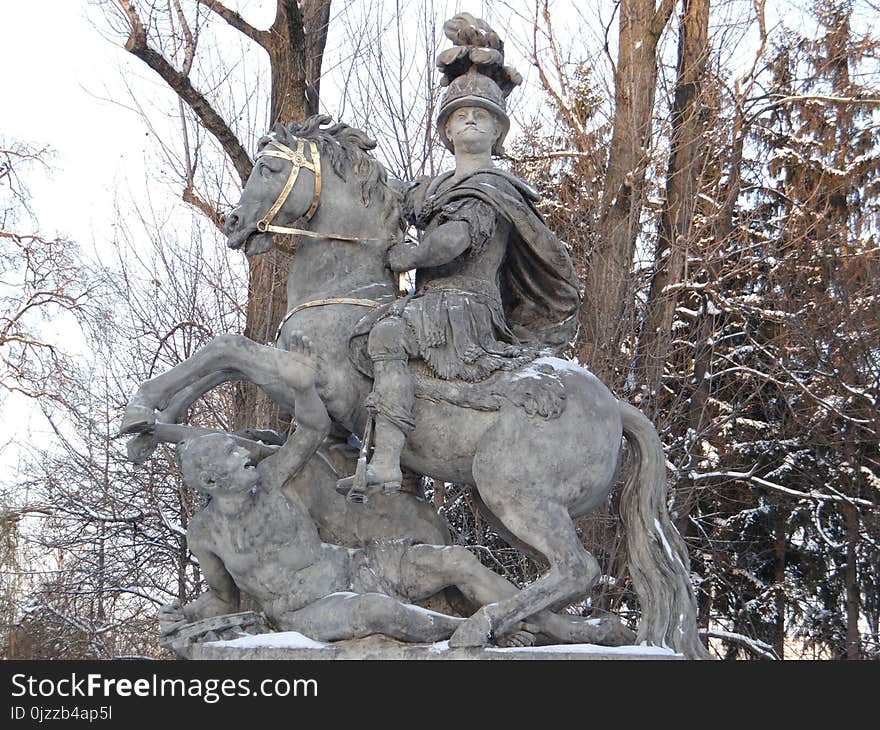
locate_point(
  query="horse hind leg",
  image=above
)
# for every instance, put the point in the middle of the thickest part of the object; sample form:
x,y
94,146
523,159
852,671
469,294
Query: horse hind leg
x,y
546,527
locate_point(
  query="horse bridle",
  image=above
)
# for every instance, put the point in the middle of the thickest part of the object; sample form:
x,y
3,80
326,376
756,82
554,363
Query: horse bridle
x,y
297,161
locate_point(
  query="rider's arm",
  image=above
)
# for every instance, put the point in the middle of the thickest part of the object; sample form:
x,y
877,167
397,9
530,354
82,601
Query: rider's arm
x,y
443,244
463,224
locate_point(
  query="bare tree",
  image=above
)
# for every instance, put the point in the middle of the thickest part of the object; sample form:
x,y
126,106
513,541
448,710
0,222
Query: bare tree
x,y
168,37
42,278
110,544
607,308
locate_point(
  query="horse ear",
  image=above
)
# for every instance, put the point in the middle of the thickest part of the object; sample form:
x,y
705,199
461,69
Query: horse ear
x,y
280,132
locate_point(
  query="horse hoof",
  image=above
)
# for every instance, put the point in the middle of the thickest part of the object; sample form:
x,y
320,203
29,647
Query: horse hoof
x,y
141,447
137,419
475,631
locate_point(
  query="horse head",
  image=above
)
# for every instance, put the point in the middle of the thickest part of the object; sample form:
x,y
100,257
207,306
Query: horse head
x,y
318,173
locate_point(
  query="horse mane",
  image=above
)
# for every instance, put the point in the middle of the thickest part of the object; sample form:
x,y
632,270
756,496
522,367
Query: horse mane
x,y
348,150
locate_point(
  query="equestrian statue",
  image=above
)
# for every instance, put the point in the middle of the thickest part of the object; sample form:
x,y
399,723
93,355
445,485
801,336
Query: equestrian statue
x,y
460,380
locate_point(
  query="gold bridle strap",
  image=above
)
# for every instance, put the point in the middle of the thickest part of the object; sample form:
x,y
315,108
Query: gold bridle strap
x,y
323,303
297,162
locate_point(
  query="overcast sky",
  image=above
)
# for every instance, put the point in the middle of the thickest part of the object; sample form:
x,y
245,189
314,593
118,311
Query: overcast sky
x,y
57,71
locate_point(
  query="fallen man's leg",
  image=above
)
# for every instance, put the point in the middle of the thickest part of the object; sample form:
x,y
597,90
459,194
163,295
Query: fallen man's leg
x,y
341,616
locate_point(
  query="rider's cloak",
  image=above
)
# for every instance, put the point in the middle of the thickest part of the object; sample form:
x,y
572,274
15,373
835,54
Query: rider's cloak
x,y
539,286
465,328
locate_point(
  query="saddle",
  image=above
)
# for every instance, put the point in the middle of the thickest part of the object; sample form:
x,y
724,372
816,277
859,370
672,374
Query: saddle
x,y
534,387
529,382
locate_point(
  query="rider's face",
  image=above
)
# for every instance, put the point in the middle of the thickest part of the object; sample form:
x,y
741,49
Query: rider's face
x,y
472,129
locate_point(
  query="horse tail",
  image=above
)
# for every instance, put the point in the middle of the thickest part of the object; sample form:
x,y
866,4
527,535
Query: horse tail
x,y
658,560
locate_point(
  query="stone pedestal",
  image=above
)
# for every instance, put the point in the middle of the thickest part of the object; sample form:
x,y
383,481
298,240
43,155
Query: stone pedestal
x,y
294,646
246,636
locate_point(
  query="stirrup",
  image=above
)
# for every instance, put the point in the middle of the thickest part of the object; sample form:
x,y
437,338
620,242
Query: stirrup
x,y
355,487
359,492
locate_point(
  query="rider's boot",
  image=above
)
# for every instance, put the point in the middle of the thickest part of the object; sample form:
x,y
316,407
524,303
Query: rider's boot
x,y
384,468
391,401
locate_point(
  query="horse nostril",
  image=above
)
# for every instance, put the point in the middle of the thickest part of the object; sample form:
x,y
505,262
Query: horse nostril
x,y
231,222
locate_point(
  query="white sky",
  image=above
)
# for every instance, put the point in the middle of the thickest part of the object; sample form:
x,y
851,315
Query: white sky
x,y
58,73
55,68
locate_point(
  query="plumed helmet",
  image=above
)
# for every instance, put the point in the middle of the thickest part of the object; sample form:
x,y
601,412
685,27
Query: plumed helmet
x,y
475,74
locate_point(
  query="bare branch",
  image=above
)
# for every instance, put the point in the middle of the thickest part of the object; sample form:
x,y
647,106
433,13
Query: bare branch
x,y
661,17
237,22
759,648
137,45
193,198
812,496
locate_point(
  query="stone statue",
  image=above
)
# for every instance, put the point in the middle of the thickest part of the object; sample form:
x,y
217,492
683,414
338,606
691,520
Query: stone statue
x,y
265,542
468,387
493,284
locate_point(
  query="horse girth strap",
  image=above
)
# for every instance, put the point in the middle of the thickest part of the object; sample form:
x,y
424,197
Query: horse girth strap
x,y
298,161
323,303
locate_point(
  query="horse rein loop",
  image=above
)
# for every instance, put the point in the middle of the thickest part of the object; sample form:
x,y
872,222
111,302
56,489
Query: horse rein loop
x,y
298,161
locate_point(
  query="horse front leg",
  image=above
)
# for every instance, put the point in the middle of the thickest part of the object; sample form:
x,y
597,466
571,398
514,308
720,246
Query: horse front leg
x,y
140,447
287,376
227,356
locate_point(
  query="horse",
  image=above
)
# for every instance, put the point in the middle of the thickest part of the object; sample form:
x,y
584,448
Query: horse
x,y
533,467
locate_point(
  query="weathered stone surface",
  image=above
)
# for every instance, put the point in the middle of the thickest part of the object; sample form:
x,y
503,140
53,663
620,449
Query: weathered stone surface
x,y
496,296
180,639
273,646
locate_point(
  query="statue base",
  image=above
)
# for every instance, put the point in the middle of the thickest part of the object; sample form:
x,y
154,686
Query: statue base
x,y
246,636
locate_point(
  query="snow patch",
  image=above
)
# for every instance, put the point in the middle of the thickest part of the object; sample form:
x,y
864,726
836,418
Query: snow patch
x,y
280,640
672,557
587,649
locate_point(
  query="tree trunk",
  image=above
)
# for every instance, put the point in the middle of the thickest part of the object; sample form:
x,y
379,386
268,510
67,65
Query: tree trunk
x,y
295,44
266,307
853,639
606,311
682,176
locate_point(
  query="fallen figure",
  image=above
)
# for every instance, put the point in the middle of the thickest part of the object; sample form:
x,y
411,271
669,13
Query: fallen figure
x,y
265,543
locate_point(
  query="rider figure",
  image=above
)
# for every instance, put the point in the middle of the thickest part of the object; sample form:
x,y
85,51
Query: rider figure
x,y
493,285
